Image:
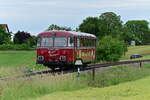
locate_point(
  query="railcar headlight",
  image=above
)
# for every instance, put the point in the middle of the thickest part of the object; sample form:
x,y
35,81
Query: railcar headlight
x,y
63,58
40,58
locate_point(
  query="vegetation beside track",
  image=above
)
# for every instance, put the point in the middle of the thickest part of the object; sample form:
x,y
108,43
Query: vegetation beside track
x,y
135,90
32,88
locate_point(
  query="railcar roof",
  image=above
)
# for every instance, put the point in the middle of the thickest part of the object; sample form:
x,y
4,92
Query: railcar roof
x,y
66,33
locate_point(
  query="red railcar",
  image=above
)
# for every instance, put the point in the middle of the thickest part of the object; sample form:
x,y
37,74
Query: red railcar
x,y
60,49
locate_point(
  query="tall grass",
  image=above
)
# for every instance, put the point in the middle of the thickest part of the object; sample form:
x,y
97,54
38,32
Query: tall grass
x,y
25,88
119,74
37,86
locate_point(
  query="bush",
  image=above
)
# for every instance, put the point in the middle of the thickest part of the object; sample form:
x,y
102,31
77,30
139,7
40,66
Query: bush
x,y
110,49
14,46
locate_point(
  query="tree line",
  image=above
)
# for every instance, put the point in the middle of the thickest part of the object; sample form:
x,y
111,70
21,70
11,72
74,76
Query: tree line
x,y
21,40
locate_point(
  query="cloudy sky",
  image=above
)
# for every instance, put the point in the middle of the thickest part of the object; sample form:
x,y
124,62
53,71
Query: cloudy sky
x,y
36,15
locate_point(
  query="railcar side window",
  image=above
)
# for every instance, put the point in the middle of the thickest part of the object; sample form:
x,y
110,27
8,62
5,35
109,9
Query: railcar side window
x,y
60,41
78,42
47,41
70,41
86,42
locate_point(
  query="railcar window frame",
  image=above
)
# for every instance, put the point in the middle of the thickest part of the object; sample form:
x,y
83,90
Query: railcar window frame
x,y
46,44
39,42
86,42
66,42
71,42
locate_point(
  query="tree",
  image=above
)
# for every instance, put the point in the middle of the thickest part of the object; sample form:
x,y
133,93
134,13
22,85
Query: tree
x,y
110,49
31,41
110,24
21,37
4,36
56,27
90,25
138,31
106,24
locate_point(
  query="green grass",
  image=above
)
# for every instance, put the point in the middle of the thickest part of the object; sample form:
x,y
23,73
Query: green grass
x,y
17,58
17,62
39,86
32,88
135,90
118,74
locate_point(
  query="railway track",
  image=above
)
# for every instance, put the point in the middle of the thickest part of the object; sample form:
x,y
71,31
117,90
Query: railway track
x,y
89,67
118,63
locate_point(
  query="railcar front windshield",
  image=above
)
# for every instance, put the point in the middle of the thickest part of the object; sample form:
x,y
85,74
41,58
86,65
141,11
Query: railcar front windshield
x,y
46,41
60,42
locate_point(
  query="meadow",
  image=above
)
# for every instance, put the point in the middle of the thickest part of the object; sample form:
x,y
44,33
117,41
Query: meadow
x,y
142,50
18,62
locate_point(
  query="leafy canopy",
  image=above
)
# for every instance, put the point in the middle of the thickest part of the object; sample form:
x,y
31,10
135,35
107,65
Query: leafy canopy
x,y
21,37
56,27
4,36
106,24
138,31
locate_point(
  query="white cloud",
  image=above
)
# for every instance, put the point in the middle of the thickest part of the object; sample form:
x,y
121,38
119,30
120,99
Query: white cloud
x,y
35,15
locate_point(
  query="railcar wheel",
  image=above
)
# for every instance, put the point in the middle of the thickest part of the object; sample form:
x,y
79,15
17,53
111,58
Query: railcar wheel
x,y
52,68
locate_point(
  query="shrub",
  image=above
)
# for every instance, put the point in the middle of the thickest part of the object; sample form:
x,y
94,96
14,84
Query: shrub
x,y
14,46
110,49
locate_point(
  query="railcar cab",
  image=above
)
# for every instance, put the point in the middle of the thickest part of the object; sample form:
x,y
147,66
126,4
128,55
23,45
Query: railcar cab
x,y
60,49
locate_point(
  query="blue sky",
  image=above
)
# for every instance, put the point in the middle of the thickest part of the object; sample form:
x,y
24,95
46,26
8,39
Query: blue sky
x,y
36,15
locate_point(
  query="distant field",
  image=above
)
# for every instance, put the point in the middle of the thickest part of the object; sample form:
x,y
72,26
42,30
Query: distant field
x,y
15,62
143,50
17,58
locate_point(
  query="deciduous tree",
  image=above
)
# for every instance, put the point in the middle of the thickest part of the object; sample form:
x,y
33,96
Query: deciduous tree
x,y
90,25
110,24
21,37
56,27
138,31
4,36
